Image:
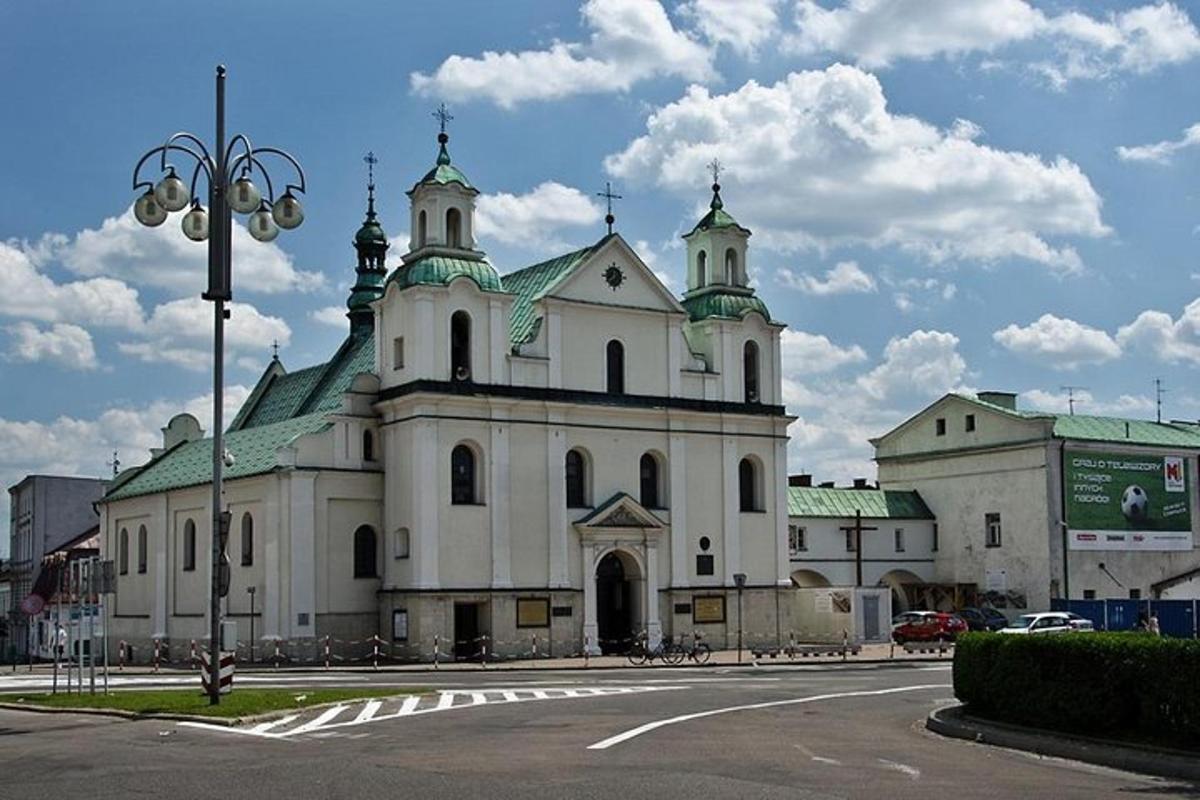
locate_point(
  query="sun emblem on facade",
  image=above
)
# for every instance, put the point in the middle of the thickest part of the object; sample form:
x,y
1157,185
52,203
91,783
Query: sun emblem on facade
x,y
613,276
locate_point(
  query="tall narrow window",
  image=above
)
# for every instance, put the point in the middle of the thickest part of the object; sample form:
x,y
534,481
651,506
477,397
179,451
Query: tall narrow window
x,y
649,475
615,367
368,446
991,523
576,469
462,475
247,540
189,546
460,346
398,353
747,485
421,228
898,535
365,553
731,266
454,228
702,269
141,549
750,371
123,551
796,539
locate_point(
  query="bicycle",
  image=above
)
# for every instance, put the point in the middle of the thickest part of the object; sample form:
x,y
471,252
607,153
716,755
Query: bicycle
x,y
699,652
640,654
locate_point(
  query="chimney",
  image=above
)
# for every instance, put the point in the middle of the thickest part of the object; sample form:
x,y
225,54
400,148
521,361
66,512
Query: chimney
x,y
861,483
803,479
1003,399
827,485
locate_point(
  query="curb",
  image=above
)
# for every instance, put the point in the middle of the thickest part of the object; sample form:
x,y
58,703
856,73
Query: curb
x,y
953,722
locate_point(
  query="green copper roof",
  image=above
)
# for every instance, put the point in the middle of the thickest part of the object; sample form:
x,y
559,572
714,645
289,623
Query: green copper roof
x,y
314,389
371,232
814,501
717,216
440,270
190,464
724,305
445,172
1115,430
529,283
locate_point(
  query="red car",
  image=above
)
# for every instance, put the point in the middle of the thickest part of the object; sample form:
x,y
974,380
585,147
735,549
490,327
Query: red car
x,y
931,627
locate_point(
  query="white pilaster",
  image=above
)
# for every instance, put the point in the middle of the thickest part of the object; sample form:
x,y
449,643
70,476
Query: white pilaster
x,y
162,570
732,534
653,624
677,453
553,322
556,507
591,631
783,566
303,563
497,341
272,528
425,501
422,356
498,501
675,344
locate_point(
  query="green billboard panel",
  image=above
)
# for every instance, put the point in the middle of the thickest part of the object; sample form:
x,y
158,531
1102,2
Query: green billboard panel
x,y
1118,501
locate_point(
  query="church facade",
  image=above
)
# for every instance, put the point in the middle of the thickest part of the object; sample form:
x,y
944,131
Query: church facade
x,y
567,451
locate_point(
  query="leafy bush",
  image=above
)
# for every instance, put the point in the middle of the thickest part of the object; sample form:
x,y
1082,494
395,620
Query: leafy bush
x,y
1104,684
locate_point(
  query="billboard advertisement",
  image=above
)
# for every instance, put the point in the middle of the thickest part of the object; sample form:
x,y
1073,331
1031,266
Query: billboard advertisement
x,y
1118,501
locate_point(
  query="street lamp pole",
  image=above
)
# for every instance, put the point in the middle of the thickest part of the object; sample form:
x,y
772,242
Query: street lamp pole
x,y
267,215
739,580
250,590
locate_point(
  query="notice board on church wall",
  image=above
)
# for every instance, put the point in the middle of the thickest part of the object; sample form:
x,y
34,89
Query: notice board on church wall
x,y
533,612
708,609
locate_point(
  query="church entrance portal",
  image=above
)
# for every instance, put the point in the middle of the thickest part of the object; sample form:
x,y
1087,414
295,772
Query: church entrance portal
x,y
614,605
467,644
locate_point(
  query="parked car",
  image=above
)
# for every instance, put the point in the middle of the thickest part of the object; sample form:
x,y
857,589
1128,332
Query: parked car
x,y
906,617
983,619
932,626
1048,622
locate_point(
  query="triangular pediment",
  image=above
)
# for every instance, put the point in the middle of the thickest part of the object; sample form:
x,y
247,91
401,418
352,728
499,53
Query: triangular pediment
x,y
614,274
620,512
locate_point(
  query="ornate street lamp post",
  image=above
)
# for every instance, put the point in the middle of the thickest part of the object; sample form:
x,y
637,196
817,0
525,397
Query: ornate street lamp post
x,y
228,170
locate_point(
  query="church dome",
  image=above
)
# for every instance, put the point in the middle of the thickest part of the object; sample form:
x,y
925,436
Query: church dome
x,y
371,232
444,173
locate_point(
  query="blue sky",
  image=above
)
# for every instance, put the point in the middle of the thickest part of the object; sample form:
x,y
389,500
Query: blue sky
x,y
945,194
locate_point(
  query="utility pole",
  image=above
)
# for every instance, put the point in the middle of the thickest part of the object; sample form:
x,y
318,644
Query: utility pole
x,y
1159,391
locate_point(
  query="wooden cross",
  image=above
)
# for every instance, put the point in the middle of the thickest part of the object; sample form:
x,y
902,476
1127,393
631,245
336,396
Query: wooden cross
x,y
443,116
857,529
608,195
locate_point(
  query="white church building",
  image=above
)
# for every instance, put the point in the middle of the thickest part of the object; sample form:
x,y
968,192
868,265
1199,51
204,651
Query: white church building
x,y
567,450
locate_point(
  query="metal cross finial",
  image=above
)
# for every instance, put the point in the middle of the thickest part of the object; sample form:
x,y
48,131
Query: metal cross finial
x,y
115,464
608,195
275,349
371,162
714,167
443,116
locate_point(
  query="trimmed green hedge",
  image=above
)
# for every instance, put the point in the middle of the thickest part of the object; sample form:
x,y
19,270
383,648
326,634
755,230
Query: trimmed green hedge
x,y
1101,684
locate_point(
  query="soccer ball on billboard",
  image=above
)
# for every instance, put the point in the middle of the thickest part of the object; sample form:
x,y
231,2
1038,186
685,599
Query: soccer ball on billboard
x,y
1135,505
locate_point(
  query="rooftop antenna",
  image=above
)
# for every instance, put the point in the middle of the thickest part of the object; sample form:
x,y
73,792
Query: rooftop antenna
x,y
115,464
1071,390
1159,391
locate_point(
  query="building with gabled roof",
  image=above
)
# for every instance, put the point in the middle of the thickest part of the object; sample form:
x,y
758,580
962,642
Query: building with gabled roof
x,y
1034,506
567,451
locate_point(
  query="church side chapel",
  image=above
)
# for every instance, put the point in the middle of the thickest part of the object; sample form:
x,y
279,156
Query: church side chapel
x,y
567,451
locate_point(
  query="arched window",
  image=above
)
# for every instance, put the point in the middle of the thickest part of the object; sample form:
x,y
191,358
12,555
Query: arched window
x,y
365,553
189,546
247,540
702,268
648,468
454,228
141,551
576,469
368,446
615,367
750,371
747,485
421,227
460,346
123,551
731,267
462,476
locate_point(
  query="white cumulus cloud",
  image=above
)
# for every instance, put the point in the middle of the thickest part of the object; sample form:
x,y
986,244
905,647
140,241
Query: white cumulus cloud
x,y
1161,152
818,160
534,219
1160,336
807,353
923,363
631,41
845,278
68,345
743,25
26,292
179,332
330,315
1059,343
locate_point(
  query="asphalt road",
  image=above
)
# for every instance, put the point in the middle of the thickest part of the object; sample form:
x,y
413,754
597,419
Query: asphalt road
x,y
769,732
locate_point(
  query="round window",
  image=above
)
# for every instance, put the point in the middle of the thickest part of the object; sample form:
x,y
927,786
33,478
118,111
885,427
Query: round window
x,y
704,543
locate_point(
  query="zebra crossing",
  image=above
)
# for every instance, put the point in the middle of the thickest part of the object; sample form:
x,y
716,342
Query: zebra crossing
x,y
336,720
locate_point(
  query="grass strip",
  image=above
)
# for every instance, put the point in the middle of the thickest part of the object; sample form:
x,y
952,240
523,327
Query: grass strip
x,y
240,703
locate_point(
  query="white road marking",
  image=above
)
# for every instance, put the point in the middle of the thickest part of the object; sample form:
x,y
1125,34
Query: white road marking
x,y
911,772
604,744
817,758
322,725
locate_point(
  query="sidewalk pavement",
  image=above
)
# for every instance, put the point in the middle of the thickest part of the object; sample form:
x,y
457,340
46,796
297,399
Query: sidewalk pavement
x,y
953,722
868,654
